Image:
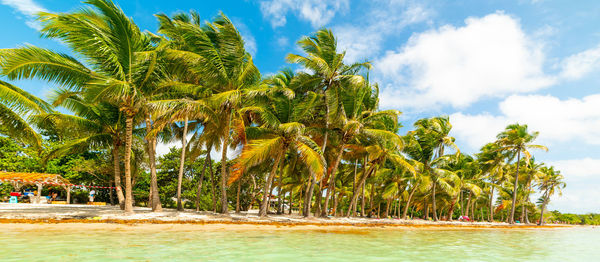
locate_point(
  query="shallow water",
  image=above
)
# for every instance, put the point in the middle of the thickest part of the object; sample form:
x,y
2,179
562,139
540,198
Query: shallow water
x,y
40,243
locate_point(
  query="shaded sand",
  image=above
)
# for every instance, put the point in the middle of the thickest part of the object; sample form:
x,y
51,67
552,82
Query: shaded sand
x,y
83,215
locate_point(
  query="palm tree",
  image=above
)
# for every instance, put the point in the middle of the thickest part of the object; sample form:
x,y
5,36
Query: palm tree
x,y
329,77
516,140
550,182
280,131
215,53
91,127
113,47
493,168
426,145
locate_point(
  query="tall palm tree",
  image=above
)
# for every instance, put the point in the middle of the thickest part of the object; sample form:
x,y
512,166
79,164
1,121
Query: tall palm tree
x,y
550,182
493,169
516,140
427,144
280,130
111,45
215,52
329,76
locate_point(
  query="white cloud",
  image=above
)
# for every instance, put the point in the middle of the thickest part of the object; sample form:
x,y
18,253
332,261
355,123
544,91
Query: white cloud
x,y
488,57
317,12
580,64
282,41
363,42
28,8
557,120
581,168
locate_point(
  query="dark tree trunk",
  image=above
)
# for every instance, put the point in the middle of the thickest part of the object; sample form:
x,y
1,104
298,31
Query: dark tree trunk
x,y
433,202
237,197
491,213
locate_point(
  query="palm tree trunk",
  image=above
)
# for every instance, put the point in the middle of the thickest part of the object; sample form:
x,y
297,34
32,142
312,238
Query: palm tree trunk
x,y
362,201
117,170
128,142
181,163
224,202
516,185
308,196
199,190
151,148
412,192
451,210
433,202
280,194
290,204
468,205
237,197
491,214
212,183
545,199
527,200
361,183
264,205
331,184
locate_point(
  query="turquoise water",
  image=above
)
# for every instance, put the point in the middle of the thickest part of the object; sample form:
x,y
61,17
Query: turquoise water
x,y
185,243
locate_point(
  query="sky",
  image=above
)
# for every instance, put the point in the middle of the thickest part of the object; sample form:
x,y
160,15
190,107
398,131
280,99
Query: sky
x,y
486,64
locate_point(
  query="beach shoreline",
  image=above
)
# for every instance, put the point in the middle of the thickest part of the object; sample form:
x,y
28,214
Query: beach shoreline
x,y
13,214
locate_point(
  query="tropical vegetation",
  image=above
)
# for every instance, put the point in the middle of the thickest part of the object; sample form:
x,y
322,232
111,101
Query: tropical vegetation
x,y
309,141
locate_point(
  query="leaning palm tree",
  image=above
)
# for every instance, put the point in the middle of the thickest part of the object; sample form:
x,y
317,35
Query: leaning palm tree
x,y
280,130
516,140
215,52
16,108
329,77
550,182
93,126
427,144
360,118
115,69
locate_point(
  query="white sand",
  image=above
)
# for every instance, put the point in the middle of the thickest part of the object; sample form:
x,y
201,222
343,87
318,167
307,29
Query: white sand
x,y
85,213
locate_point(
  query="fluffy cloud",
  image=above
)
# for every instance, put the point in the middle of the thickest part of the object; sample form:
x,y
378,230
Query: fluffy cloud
x,y
317,12
384,19
28,8
557,120
580,64
582,168
581,194
487,57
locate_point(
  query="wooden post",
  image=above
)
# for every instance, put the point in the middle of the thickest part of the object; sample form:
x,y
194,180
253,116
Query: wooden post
x,y
68,195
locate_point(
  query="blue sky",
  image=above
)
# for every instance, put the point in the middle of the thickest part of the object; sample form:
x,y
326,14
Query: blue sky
x,y
484,63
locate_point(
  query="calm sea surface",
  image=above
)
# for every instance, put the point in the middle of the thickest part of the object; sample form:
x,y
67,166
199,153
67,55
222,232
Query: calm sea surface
x,y
189,244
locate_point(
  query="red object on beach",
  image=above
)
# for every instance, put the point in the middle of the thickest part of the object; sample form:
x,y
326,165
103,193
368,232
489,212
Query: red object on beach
x,y
17,194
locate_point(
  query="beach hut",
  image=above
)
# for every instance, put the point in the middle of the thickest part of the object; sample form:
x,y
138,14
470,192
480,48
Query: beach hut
x,y
19,179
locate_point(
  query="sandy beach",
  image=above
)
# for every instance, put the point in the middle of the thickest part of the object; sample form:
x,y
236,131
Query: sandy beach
x,y
23,214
